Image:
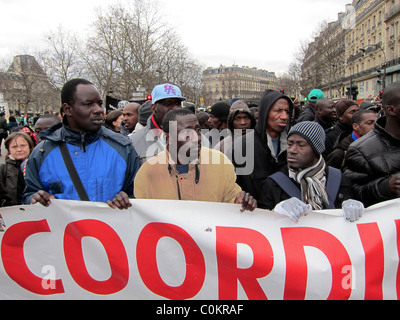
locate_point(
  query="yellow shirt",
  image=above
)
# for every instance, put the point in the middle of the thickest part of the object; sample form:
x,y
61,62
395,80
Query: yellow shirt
x,y
156,179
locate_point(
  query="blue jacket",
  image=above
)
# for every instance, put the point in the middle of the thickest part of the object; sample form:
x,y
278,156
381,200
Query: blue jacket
x,y
105,161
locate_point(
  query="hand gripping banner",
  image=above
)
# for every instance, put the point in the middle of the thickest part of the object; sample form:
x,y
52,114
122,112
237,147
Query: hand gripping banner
x,y
196,250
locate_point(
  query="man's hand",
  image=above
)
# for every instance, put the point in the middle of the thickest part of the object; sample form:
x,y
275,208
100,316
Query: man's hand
x,y
120,201
293,208
247,201
42,197
394,184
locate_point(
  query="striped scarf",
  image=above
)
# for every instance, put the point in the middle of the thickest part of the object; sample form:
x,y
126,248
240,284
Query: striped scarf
x,y
312,181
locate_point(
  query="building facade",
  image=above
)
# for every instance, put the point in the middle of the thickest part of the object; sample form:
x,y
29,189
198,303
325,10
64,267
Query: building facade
x,y
226,83
371,51
25,87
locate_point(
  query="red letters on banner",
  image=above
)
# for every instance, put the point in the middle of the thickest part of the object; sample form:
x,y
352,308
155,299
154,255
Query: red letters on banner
x,y
227,239
115,252
12,253
398,250
294,241
147,261
229,273
374,260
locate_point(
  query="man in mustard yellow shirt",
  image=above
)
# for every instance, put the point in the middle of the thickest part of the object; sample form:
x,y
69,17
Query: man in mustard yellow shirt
x,y
187,171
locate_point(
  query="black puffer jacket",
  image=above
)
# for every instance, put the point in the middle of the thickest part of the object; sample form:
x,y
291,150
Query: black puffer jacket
x,y
370,163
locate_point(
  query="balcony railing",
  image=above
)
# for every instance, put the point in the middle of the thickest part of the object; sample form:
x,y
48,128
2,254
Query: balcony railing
x,y
368,50
392,12
361,74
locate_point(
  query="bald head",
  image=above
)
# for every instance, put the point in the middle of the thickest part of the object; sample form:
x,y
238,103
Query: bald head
x,y
391,95
131,116
44,122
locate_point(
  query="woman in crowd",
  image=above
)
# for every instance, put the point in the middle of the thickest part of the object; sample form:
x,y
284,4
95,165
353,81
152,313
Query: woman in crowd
x,y
113,120
19,146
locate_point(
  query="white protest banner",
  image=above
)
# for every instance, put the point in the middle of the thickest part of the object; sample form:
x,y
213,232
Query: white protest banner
x,y
196,250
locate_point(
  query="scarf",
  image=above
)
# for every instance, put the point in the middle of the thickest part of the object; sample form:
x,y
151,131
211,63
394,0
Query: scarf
x,y
312,182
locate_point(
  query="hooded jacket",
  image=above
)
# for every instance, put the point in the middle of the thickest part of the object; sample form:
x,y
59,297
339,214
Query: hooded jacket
x,y
226,144
253,155
105,161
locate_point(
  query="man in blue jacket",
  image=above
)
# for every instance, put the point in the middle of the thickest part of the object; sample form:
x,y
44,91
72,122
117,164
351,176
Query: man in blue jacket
x,y
105,162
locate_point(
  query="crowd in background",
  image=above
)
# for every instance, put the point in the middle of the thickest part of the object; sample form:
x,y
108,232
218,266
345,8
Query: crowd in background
x,y
276,155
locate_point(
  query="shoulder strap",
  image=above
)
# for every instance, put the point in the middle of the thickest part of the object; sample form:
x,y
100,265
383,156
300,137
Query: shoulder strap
x,y
76,180
333,185
286,184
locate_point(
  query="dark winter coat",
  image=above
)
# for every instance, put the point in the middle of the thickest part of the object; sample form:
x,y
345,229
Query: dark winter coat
x,y
307,114
12,181
272,193
336,157
333,134
370,163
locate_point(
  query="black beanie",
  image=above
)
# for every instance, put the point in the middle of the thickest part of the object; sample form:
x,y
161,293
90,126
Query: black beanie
x,y
221,110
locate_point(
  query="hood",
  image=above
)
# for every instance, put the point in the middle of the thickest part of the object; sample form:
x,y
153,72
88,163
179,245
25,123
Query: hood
x,y
267,100
61,132
233,114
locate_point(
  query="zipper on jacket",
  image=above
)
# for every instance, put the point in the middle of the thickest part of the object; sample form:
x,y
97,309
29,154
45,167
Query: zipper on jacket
x,y
177,181
83,148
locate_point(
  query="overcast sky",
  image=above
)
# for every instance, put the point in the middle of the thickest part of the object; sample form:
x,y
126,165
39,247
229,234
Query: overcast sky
x,y
255,33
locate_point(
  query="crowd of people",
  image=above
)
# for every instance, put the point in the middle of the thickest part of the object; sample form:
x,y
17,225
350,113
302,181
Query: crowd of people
x,y
274,155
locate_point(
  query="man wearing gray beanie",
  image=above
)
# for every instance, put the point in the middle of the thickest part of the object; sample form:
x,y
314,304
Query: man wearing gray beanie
x,y
306,183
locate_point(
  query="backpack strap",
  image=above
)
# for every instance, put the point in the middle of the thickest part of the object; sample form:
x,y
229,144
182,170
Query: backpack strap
x,y
76,180
333,185
286,184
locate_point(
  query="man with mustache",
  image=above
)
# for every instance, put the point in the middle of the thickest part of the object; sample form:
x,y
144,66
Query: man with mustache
x,y
105,161
186,170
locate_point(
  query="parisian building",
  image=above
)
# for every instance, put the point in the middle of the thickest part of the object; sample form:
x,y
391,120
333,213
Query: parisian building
x,y
367,40
225,83
25,88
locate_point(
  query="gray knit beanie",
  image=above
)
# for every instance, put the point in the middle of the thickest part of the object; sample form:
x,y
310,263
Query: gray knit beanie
x,y
313,133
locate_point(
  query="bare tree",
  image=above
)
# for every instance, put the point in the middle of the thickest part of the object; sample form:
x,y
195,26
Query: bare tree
x,y
291,81
129,45
62,61
132,46
323,59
